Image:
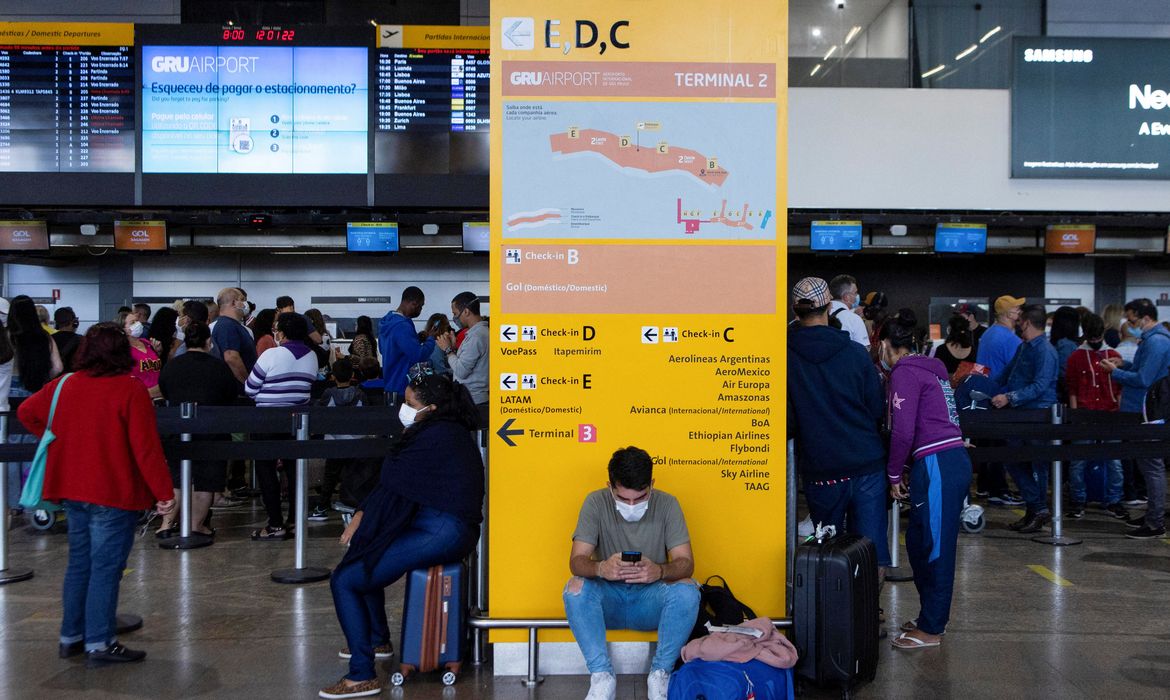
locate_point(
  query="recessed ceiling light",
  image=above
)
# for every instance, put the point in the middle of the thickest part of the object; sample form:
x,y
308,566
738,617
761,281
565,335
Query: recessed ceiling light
x,y
816,32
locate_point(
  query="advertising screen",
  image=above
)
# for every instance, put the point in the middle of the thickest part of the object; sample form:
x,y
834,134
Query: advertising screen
x,y
476,236
67,108
1070,239
835,235
371,237
960,238
140,236
431,128
23,235
231,114
1090,108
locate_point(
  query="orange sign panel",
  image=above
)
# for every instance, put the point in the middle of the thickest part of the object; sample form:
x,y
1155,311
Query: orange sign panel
x,y
23,235
140,235
1070,238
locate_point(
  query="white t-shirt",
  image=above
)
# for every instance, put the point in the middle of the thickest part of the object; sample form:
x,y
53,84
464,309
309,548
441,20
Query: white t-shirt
x,y
851,323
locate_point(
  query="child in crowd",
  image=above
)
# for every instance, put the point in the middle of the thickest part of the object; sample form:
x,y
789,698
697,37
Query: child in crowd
x,y
344,392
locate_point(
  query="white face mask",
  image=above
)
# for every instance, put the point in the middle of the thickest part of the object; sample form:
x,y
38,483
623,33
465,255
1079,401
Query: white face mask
x,y
408,415
632,513
136,329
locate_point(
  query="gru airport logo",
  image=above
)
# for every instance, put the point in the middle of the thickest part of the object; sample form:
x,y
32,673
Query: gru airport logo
x,y
519,35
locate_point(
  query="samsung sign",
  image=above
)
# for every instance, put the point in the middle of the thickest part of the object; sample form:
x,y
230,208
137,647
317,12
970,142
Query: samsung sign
x,y
1090,108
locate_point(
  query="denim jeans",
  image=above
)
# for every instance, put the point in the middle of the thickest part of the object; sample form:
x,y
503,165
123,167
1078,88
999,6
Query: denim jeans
x,y
935,580
669,608
16,471
1154,472
857,506
1114,480
100,539
433,537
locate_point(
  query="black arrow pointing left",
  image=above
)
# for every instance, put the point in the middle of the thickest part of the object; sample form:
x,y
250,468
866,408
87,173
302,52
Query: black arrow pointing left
x,y
506,434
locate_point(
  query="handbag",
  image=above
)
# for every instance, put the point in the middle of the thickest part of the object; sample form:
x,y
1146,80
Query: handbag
x,y
30,496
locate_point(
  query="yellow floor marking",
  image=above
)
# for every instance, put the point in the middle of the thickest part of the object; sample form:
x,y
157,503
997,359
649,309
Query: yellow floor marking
x,y
1049,574
1019,512
902,539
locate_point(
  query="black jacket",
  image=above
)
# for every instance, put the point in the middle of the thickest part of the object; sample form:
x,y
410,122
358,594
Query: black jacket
x,y
835,405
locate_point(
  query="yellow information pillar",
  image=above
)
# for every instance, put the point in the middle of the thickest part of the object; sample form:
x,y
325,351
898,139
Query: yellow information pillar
x,y
637,285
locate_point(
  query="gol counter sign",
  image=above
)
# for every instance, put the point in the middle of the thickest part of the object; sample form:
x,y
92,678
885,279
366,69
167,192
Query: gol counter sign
x,y
140,235
638,240
1070,238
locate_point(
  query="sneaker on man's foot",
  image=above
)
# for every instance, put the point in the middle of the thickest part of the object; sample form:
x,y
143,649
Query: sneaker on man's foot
x,y
319,515
1118,511
982,494
1075,512
656,684
602,686
1145,533
1135,523
1006,499
113,654
1136,501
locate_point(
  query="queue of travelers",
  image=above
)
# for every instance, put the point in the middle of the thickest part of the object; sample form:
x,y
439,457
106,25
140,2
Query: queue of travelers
x,y
223,353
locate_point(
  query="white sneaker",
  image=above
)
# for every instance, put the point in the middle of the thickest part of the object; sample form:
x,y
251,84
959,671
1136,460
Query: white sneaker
x,y
656,684
602,686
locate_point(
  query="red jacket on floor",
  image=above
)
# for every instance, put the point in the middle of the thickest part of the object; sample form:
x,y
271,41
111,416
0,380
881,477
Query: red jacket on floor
x,y
1092,387
107,450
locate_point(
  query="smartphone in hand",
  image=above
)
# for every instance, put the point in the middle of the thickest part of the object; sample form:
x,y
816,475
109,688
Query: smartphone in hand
x,y
631,557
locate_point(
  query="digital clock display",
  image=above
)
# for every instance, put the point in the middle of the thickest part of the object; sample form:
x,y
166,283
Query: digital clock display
x,y
274,35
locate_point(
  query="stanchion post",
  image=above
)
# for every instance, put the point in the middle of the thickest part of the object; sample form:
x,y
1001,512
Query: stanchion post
x,y
301,573
533,679
790,519
186,539
480,604
1057,537
893,571
7,574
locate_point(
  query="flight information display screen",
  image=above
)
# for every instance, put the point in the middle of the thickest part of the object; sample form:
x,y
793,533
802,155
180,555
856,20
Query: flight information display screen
x,y
432,114
67,106
244,103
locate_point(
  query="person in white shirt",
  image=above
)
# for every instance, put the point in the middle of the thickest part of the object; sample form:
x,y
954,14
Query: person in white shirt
x,y
846,299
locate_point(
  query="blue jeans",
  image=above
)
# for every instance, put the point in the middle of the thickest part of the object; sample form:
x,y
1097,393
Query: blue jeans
x,y
17,470
935,580
100,539
598,605
1114,481
1032,480
857,506
433,537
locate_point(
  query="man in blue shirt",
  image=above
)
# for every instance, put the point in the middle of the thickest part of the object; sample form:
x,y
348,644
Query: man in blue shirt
x,y
1030,382
1149,365
399,341
998,344
230,335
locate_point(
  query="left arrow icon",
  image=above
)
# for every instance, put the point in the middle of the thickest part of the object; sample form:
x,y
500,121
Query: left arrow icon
x,y
506,434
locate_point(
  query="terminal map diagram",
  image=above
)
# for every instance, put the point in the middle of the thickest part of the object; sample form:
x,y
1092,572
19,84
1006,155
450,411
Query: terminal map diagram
x,y
644,170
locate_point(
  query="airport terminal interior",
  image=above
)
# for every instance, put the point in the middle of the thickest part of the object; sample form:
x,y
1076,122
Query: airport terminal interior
x,y
634,249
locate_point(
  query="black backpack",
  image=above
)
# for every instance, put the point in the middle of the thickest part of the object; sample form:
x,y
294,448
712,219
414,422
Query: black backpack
x,y
1158,400
718,606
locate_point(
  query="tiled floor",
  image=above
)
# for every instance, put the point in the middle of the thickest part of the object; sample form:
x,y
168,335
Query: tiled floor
x,y
217,627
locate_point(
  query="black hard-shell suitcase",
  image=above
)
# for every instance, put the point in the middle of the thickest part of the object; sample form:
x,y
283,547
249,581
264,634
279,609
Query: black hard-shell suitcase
x,y
835,611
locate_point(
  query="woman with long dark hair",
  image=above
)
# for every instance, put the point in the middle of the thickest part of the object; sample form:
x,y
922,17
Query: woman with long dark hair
x,y
958,346
426,510
925,436
162,333
37,359
365,343
105,466
1066,337
262,327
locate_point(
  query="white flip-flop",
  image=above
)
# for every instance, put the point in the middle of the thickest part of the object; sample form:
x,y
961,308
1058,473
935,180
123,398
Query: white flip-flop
x,y
911,643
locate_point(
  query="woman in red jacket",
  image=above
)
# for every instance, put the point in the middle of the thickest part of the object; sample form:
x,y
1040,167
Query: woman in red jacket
x,y
105,467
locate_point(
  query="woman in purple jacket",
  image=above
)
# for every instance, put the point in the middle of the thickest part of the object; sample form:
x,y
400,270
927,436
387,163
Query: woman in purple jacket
x,y
924,433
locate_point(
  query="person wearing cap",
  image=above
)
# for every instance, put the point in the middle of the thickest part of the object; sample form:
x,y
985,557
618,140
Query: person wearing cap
x,y
874,315
845,302
836,407
999,343
1148,367
968,312
1030,382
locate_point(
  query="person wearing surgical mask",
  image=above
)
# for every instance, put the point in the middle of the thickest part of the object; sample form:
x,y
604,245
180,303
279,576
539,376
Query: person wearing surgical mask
x,y
631,560
426,510
147,364
846,301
